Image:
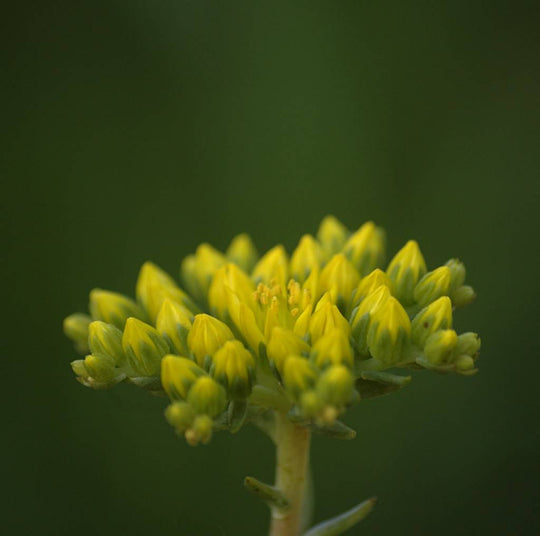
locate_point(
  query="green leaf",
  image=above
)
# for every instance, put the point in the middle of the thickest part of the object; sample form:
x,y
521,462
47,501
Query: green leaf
x,y
339,524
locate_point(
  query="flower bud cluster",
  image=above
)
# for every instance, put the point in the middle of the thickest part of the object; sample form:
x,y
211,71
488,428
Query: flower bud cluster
x,y
304,332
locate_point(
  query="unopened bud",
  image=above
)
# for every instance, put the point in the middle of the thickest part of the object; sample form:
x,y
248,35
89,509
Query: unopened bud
x,y
112,307
325,319
299,375
272,267
405,270
234,367
282,344
432,286
463,296
144,347
242,252
106,339
178,374
436,316
332,235
180,415
307,256
440,346
336,386
207,397
366,248
173,323
332,348
339,277
206,336
76,328
389,332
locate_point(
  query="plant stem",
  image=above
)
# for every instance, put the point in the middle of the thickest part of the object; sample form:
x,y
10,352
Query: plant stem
x,y
292,464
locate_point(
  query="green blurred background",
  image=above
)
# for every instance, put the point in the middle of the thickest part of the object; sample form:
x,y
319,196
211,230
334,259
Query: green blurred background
x,y
136,130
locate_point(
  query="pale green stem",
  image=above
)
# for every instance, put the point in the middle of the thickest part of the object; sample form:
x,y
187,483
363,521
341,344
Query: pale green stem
x,y
292,465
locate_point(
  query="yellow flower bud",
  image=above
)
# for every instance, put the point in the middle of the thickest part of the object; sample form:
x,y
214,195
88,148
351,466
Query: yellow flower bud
x,y
173,323
440,346
283,343
144,347
200,431
207,397
180,415
178,374
76,329
234,367
154,286
112,307
463,296
242,252
432,286
333,348
208,261
368,284
339,277
229,278
325,320
273,267
332,235
307,256
465,365
301,325
206,336
336,386
361,318
244,320
298,376
389,332
405,270
458,273
101,368
469,344
366,248
436,316
106,339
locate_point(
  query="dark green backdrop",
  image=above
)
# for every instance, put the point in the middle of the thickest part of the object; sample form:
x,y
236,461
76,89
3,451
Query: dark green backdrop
x,y
135,130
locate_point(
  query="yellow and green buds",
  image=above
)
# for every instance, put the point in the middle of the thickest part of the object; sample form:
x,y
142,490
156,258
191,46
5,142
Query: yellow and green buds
x,y
366,248
432,286
370,283
234,367
144,347
332,235
333,348
325,320
299,375
154,286
242,252
197,270
405,270
178,374
304,335
207,396
173,323
106,339
335,388
440,346
273,267
283,343
362,315
437,315
389,332
206,336
76,329
339,277
307,256
112,307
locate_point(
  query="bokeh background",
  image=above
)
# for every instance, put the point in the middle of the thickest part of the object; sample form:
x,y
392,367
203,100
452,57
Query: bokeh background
x,y
136,130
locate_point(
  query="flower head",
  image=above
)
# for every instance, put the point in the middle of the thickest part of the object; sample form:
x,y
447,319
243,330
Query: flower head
x,y
294,333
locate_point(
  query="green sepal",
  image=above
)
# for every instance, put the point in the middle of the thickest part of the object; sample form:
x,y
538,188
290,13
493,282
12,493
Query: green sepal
x,y
151,384
336,430
269,494
372,384
236,415
341,523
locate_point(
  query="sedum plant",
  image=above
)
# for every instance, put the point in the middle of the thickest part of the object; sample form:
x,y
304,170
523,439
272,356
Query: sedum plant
x,y
287,343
